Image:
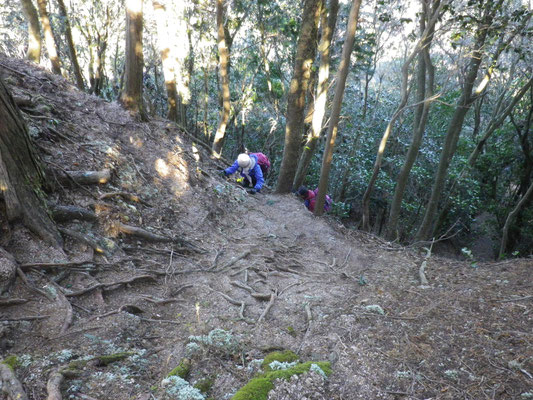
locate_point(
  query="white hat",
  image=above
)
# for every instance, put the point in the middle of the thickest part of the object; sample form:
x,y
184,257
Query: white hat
x,y
244,160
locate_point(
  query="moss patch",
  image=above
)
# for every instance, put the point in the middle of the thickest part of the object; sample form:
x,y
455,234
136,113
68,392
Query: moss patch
x,y
258,388
11,361
182,370
204,385
111,358
281,356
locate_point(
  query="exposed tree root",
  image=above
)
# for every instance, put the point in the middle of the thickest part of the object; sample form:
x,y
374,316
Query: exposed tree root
x,y
10,384
108,285
84,239
24,279
267,308
140,233
69,213
24,318
84,177
12,302
55,380
230,263
47,266
126,196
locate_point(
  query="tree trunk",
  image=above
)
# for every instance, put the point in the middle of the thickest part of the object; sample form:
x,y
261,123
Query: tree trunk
x,y
456,123
21,176
510,218
328,22
49,37
342,74
34,31
423,96
399,111
224,78
168,61
305,54
71,48
132,97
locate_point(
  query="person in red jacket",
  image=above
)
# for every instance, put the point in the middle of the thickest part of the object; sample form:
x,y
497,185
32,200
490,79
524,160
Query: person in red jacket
x,y
309,198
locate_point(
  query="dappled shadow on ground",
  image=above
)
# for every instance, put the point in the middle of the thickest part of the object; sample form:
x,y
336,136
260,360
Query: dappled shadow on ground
x,y
261,268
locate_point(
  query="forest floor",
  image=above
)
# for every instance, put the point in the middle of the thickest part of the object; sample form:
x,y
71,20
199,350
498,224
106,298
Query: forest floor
x,y
243,276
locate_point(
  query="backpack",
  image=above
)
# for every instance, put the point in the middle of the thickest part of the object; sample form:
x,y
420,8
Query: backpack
x,y
327,203
263,162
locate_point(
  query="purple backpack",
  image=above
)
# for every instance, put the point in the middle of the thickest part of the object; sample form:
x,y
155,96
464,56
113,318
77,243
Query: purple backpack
x,y
263,162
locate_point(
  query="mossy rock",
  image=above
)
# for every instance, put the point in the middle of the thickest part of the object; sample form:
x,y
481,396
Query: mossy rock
x,y
287,356
11,361
258,388
111,358
182,370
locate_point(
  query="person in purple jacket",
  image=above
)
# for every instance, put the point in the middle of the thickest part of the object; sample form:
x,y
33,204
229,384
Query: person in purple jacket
x,y
250,170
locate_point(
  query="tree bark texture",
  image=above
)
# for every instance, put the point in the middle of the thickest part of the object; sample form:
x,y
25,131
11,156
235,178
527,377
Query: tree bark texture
x,y
305,54
49,39
34,31
20,174
71,48
342,74
131,96
223,53
328,22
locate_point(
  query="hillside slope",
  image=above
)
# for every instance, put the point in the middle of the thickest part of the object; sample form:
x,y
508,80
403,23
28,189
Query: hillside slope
x,y
261,272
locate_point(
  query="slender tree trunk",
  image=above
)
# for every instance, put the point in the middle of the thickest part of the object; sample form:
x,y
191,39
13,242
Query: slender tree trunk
x,y
456,123
423,96
49,37
224,78
399,111
132,97
305,54
21,176
34,31
71,48
205,125
511,217
342,74
167,59
328,23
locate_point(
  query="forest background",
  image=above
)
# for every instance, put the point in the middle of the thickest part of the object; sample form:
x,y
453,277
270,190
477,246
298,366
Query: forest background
x,y
424,134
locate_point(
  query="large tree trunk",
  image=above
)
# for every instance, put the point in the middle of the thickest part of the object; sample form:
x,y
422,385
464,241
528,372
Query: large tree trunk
x,y
71,48
49,39
131,96
305,54
342,74
423,98
20,174
34,31
328,22
224,80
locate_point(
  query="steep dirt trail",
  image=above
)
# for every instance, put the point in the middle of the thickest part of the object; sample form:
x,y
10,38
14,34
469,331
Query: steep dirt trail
x,y
262,268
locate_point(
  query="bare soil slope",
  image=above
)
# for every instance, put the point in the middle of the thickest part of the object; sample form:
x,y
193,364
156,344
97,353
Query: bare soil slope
x,y
260,271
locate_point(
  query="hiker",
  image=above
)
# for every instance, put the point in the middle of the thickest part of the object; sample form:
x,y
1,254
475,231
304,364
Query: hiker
x,y
309,197
251,170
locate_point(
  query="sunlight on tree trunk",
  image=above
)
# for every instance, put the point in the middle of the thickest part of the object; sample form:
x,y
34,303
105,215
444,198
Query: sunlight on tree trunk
x,y
49,37
305,54
328,22
34,31
224,80
342,74
167,58
131,97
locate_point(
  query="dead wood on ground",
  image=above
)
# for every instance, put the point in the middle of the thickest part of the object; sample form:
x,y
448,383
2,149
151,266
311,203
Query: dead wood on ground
x,y
11,386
